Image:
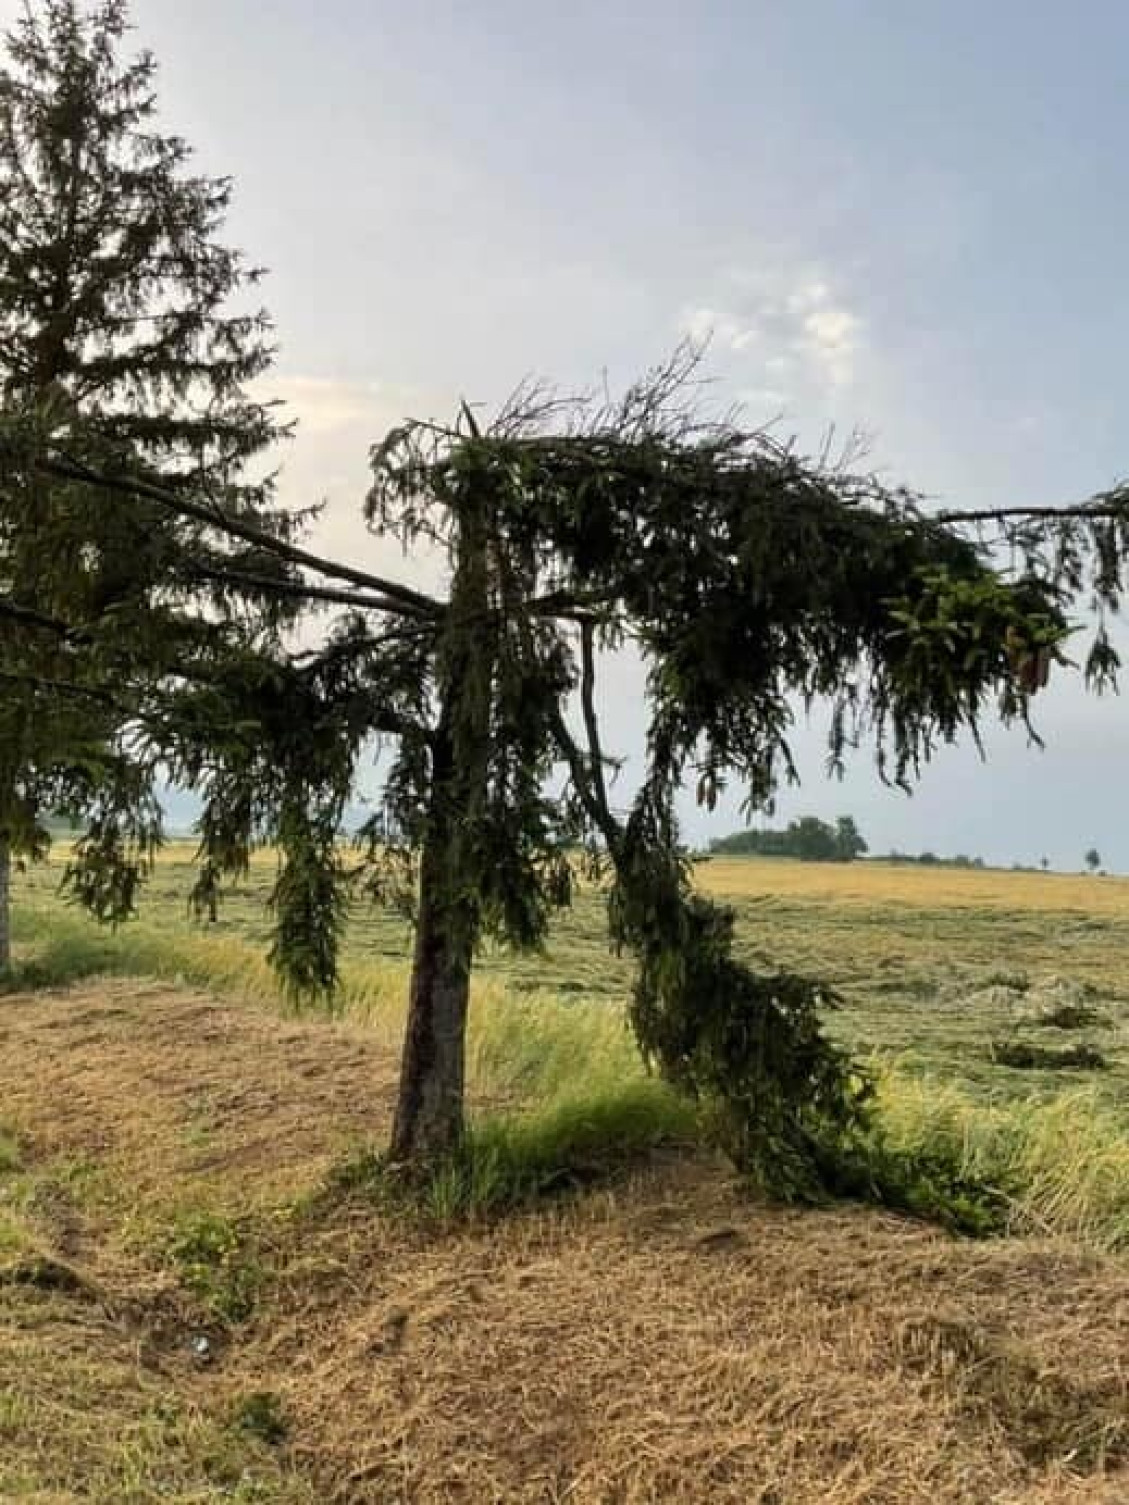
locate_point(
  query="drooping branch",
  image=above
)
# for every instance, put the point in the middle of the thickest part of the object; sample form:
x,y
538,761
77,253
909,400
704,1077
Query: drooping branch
x,y
1112,506
588,707
384,721
588,792
27,616
578,606
66,687
299,590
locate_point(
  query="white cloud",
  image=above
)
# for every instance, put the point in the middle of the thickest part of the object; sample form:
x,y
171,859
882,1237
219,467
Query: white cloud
x,y
832,335
710,325
798,327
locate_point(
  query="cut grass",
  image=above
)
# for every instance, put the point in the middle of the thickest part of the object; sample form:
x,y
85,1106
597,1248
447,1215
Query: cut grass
x,y
661,1336
937,964
621,1333
81,1419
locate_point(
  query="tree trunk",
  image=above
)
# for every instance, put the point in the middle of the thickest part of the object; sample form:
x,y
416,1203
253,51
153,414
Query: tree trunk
x,y
429,1111
5,905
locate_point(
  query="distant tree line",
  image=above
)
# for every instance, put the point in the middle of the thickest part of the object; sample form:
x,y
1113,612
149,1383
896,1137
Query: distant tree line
x,y
809,838
931,859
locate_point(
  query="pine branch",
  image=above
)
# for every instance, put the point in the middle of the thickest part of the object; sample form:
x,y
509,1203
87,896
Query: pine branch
x,y
588,706
297,589
28,617
69,687
1110,506
407,601
589,794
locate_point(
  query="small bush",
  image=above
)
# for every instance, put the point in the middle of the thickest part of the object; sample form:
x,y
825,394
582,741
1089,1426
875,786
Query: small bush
x,y
1024,1057
215,1263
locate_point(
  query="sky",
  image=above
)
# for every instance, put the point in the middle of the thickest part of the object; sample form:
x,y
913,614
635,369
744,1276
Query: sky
x,y
893,216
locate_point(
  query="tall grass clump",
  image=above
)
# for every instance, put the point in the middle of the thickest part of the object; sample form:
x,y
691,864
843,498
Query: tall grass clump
x,y
66,947
1061,1164
563,1101
513,1160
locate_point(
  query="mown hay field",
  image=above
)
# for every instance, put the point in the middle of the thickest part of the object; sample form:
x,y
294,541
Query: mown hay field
x,y
936,966
202,1298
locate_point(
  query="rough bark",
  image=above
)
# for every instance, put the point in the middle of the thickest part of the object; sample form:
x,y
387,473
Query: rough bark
x,y
5,905
429,1111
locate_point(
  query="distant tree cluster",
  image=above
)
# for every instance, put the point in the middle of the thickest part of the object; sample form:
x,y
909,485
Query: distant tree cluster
x,y
931,859
809,838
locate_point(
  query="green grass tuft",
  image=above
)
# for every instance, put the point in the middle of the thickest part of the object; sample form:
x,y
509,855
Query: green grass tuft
x,y
214,1260
10,1157
261,1414
513,1161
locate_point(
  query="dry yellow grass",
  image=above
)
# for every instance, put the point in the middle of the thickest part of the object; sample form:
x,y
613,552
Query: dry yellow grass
x,y
665,1340
910,884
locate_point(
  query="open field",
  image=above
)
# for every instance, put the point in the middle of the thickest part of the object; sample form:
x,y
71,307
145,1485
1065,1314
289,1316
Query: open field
x,y
937,966
201,1299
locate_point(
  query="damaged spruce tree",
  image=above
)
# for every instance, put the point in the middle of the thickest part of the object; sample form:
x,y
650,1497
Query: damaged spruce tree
x,y
746,578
